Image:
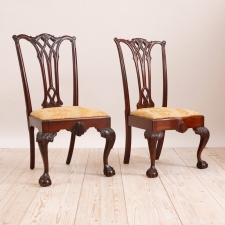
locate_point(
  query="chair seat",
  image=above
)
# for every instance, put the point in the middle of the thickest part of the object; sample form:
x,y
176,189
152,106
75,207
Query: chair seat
x,y
66,112
163,113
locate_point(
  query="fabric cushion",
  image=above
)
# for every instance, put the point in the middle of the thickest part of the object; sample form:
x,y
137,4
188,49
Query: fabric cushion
x,y
164,112
66,112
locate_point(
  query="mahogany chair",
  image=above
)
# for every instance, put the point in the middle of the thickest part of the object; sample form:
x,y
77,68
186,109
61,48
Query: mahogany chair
x,y
53,117
155,120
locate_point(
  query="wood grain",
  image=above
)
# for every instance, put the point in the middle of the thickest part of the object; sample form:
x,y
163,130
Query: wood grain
x,y
102,199
191,199
81,194
22,188
213,179
146,199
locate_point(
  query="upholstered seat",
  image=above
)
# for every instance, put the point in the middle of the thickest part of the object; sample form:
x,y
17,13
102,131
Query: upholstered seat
x,y
163,113
66,112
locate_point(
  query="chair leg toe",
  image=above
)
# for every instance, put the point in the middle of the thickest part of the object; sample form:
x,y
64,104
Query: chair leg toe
x,y
109,171
152,172
202,164
45,180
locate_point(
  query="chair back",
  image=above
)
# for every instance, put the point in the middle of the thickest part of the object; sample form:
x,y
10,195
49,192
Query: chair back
x,y
47,49
141,50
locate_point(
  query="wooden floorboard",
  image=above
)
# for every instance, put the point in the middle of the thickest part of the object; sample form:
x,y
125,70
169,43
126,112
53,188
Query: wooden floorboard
x,y
80,194
17,200
193,202
212,178
102,198
146,199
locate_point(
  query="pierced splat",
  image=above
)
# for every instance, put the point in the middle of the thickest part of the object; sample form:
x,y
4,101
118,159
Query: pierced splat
x,y
52,99
141,50
47,48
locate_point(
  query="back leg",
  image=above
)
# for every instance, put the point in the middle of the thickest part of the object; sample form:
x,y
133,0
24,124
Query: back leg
x,y
70,153
78,129
159,146
127,145
32,147
204,134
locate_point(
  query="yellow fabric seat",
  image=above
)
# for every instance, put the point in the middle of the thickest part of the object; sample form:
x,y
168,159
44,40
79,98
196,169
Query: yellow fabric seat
x,y
163,113
66,112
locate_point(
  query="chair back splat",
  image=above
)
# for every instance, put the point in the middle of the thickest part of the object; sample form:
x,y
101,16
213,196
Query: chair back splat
x,y
47,48
141,50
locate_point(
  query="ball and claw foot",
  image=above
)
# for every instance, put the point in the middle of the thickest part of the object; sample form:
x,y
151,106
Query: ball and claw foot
x,y
202,164
152,172
45,180
109,171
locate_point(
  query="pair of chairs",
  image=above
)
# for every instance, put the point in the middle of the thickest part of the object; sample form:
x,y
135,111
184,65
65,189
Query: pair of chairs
x,y
53,117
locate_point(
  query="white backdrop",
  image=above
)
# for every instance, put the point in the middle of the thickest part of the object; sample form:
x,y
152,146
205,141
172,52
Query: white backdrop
x,y
195,36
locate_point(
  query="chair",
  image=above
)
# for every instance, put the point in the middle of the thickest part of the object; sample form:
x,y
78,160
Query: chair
x,y
155,120
53,117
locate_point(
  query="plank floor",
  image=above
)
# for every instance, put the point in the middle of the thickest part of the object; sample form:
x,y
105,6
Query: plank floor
x,y
82,195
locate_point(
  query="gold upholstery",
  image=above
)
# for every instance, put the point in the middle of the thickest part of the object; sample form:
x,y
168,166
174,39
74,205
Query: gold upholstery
x,y
164,112
66,112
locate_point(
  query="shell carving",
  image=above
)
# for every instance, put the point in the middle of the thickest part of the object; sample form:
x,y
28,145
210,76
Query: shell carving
x,y
78,129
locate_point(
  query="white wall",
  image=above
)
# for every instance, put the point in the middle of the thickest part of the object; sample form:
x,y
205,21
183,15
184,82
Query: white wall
x,y
195,36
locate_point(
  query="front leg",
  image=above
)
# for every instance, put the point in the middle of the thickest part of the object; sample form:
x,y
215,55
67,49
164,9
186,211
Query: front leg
x,y
110,137
43,139
204,134
152,138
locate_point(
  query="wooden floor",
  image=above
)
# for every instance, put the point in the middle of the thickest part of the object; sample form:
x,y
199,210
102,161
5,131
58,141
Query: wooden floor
x,y
80,194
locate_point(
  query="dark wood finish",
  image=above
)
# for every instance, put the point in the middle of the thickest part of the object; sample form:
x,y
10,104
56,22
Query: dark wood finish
x,y
155,128
70,153
32,147
43,139
182,127
204,134
127,145
165,124
153,138
110,137
47,49
159,146
78,129
49,126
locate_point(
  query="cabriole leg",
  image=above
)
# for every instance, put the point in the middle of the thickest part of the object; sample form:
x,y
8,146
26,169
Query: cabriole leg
x,y
204,134
110,137
32,147
152,138
43,139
